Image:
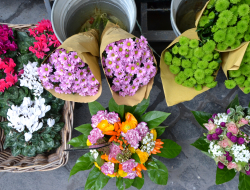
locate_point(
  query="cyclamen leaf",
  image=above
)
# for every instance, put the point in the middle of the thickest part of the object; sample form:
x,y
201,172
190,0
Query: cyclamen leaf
x,y
139,182
170,149
244,182
85,129
94,107
202,117
141,107
154,118
224,175
201,144
234,103
113,106
119,183
79,141
128,182
83,163
96,179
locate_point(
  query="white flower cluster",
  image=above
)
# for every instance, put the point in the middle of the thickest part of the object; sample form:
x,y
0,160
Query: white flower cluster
x,y
215,149
30,79
241,154
28,115
148,143
221,117
94,153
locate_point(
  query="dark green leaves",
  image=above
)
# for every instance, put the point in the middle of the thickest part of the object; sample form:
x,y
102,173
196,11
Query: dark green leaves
x,y
85,129
136,157
224,175
113,106
94,107
138,182
24,42
201,117
160,130
244,182
79,141
234,103
201,144
128,182
154,118
158,175
83,163
170,149
141,107
119,183
96,180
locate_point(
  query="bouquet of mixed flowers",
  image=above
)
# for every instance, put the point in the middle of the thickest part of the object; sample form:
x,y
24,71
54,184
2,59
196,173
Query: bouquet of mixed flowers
x,y
225,22
133,140
226,143
128,64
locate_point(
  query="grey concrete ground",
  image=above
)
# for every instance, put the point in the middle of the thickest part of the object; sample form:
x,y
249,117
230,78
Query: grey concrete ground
x,y
191,170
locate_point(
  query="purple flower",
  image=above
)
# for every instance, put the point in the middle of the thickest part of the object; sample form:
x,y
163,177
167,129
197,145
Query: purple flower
x,y
211,119
142,129
215,136
209,137
241,140
108,168
229,158
227,154
129,165
112,117
223,124
214,115
133,137
95,134
228,111
234,139
248,172
221,165
229,134
131,175
218,131
114,150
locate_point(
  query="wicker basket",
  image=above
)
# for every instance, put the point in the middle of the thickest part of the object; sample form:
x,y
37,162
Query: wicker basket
x,y
19,164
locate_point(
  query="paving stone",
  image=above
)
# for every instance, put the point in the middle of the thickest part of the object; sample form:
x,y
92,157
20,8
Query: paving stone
x,y
184,130
203,160
154,95
217,187
173,186
243,98
11,6
212,107
196,102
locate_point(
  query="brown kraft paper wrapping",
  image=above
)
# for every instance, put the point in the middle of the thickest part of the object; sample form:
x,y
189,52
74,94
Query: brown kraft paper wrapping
x,y
198,17
87,47
113,33
175,93
232,60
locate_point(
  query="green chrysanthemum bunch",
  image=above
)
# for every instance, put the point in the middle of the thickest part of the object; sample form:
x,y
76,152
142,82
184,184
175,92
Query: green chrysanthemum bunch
x,y
226,22
193,63
240,77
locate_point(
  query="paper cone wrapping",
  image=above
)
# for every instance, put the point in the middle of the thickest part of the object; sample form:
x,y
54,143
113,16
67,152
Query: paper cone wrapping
x,y
175,93
87,47
113,33
232,60
198,17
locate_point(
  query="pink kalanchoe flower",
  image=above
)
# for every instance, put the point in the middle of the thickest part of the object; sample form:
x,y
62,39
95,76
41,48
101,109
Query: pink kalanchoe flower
x,y
108,168
133,137
142,129
113,151
112,117
98,117
129,165
131,175
95,134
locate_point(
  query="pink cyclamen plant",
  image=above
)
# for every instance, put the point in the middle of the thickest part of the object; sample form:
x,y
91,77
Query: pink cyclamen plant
x,y
68,74
129,65
6,40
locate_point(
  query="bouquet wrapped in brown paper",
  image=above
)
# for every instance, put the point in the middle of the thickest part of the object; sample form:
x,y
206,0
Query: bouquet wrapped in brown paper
x,y
72,71
129,65
226,22
237,68
188,68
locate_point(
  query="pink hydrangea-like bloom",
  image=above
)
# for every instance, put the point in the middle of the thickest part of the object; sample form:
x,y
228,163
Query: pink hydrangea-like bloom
x,y
142,129
129,165
133,137
113,151
95,134
112,117
108,168
131,175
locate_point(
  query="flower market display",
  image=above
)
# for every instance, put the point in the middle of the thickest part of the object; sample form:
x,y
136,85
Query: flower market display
x,y
33,115
240,77
226,143
226,23
68,74
128,65
133,140
193,63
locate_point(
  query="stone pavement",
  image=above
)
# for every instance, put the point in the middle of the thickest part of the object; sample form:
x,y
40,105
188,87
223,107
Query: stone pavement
x,y
191,170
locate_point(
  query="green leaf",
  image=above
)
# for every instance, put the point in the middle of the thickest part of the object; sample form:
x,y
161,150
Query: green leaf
x,y
130,110
99,160
154,118
141,107
94,107
151,165
79,141
119,183
85,129
160,130
83,163
32,151
113,106
202,117
24,42
170,149
15,151
96,179
234,103
224,175
3,112
11,93
50,143
128,182
160,175
201,144
244,182
24,59
136,157
138,182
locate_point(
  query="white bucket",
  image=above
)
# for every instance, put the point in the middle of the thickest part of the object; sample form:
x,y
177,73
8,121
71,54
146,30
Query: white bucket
x,y
69,15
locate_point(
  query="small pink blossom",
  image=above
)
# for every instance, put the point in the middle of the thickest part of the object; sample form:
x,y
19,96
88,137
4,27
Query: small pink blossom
x,y
95,134
243,121
129,165
133,137
142,129
231,165
108,168
210,126
231,127
225,143
114,150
